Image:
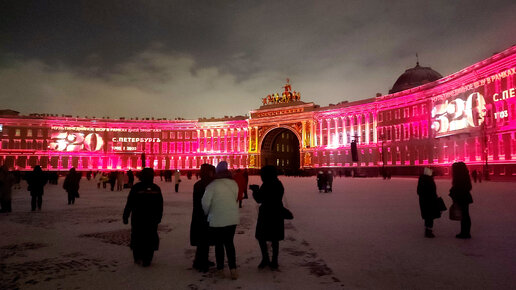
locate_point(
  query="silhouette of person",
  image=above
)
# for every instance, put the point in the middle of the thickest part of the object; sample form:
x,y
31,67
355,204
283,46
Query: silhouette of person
x,y
6,183
36,180
71,185
145,206
426,190
270,225
461,195
199,235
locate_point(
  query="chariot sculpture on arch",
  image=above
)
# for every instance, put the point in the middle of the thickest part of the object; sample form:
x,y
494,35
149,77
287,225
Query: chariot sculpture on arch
x,y
287,96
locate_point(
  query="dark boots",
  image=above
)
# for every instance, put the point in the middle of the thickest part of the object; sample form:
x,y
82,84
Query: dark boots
x,y
273,264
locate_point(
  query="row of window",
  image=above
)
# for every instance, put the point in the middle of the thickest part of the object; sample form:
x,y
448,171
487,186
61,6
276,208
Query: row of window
x,y
403,113
404,132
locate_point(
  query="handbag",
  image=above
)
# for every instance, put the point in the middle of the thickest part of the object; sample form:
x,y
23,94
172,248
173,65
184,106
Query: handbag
x,y
440,204
455,212
287,214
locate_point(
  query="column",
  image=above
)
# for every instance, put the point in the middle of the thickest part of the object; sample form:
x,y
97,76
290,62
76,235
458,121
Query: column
x,y
351,128
211,131
320,132
303,134
328,135
344,135
250,137
359,128
256,139
218,140
232,139
238,140
312,126
367,127
205,140
337,142
198,140
245,139
375,131
226,140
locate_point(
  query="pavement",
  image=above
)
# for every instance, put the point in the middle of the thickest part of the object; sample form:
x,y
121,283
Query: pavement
x,y
366,234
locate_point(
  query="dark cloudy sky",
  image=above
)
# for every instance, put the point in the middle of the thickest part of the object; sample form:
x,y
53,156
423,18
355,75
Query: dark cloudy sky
x,y
214,58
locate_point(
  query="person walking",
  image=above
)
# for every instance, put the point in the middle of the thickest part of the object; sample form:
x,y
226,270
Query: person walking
x,y
199,236
270,225
321,181
6,184
329,181
220,204
97,179
461,195
145,207
177,180
112,179
130,178
474,175
119,180
36,180
71,185
426,190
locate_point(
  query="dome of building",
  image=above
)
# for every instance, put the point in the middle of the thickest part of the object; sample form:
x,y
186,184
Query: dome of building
x,y
414,77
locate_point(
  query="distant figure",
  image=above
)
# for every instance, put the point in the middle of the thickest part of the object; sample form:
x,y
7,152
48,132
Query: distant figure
x,y
199,235
119,180
71,185
479,176
270,224
97,178
36,181
242,186
220,204
474,175
177,180
130,178
88,175
460,194
189,175
17,179
426,190
246,178
145,206
112,179
329,181
321,181
6,183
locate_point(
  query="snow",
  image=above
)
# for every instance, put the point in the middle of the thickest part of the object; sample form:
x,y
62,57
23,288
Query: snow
x,y
367,234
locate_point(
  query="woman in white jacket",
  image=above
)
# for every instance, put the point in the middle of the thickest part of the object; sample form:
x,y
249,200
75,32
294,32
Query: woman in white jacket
x,y
220,205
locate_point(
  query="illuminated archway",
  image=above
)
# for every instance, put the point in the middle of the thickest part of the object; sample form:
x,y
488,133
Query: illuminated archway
x,y
280,147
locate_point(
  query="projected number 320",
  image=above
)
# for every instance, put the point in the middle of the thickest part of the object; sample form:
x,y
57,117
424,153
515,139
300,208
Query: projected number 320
x,y
74,142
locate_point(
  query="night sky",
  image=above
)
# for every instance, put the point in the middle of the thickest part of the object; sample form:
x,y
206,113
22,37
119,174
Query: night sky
x,y
195,59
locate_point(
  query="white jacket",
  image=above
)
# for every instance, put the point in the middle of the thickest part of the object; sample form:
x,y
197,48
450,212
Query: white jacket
x,y
220,203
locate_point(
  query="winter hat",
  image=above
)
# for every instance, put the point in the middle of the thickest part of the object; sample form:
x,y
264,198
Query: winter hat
x,y
222,166
427,171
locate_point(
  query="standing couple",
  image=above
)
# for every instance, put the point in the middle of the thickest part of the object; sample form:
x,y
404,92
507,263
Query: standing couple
x,y
215,216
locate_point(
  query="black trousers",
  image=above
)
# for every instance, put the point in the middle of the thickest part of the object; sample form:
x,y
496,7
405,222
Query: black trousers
x,y
143,255
71,197
429,223
177,187
465,222
5,205
36,199
201,254
223,238
265,251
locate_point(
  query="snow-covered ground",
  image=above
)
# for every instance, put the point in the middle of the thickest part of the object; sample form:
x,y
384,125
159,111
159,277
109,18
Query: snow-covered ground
x,y
367,234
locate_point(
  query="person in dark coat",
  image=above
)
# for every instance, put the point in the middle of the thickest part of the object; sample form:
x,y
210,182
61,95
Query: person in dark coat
x,y
329,181
270,225
426,190
460,194
145,206
199,227
112,179
36,180
130,178
71,185
6,183
321,181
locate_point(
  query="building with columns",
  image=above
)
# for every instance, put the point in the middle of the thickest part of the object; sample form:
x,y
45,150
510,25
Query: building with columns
x,y
425,120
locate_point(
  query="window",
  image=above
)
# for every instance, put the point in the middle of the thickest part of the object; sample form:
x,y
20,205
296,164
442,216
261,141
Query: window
x,y
406,112
415,111
388,116
40,133
187,135
164,147
397,114
29,132
380,117
179,135
17,133
172,135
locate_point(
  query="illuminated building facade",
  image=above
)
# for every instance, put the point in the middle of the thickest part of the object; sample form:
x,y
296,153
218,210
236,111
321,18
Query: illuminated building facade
x,y
425,120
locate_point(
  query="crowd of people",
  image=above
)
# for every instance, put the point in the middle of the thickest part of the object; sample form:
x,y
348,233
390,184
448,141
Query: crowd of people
x,y
217,197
